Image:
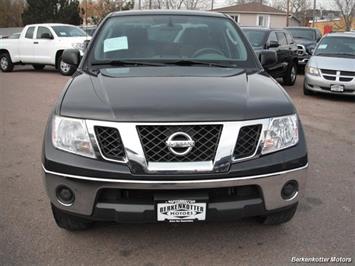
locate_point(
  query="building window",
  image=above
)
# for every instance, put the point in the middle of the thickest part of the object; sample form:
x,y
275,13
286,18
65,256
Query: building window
x,y
262,20
235,18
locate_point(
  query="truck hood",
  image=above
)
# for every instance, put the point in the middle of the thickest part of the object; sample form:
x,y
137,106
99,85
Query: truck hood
x,y
333,63
168,94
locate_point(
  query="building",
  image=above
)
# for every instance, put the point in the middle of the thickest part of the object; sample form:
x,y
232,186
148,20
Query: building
x,y
255,14
331,25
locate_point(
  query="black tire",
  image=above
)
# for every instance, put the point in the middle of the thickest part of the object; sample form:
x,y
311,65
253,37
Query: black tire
x,y
67,70
6,64
279,217
70,222
38,67
307,91
291,74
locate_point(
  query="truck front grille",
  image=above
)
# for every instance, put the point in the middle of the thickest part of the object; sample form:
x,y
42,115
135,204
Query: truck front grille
x,y
343,76
154,137
110,143
247,142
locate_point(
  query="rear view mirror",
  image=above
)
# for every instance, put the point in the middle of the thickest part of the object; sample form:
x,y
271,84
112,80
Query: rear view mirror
x,y
71,57
268,58
274,44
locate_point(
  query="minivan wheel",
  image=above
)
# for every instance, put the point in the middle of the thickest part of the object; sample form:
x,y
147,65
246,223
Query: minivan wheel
x,y
279,217
6,64
64,68
291,75
70,222
38,66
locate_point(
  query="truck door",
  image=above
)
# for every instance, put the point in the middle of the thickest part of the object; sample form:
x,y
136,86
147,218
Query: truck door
x,y
275,69
44,45
284,51
27,44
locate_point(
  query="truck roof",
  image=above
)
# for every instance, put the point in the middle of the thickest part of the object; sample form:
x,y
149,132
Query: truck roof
x,y
49,24
167,12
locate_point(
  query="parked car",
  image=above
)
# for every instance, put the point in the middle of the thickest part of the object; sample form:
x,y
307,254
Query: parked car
x,y
90,30
153,130
40,45
332,67
306,39
282,43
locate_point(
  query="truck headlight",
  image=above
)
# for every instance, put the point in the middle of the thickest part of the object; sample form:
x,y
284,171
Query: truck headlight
x,y
312,70
282,133
71,135
80,46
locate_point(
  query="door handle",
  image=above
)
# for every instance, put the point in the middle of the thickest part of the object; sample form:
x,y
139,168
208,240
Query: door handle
x,y
35,42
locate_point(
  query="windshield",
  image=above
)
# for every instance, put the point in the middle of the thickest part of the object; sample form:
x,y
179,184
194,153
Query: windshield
x,y
256,37
68,31
344,46
303,34
162,38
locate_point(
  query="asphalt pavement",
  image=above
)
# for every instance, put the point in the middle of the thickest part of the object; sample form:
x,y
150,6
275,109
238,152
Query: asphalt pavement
x,y
324,225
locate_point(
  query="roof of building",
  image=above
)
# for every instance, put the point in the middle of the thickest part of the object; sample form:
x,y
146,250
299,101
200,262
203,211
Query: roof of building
x,y
253,7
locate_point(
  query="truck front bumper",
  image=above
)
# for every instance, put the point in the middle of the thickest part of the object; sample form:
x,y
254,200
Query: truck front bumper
x,y
89,201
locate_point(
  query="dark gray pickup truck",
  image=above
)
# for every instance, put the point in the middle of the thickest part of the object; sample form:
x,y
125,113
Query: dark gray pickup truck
x,y
170,117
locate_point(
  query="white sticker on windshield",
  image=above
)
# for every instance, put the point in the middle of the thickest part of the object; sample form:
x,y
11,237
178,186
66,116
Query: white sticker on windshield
x,y
114,44
322,46
63,33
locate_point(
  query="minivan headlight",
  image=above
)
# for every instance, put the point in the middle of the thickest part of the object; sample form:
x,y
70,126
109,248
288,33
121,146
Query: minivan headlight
x,y
282,133
71,135
312,70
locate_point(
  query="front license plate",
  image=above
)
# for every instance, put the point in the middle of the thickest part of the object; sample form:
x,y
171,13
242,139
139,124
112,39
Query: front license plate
x,y
337,88
181,211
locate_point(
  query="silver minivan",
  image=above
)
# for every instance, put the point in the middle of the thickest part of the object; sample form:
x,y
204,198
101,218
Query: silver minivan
x,y
331,69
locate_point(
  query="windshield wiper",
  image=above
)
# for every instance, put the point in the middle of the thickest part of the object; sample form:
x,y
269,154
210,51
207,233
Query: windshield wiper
x,y
126,63
197,62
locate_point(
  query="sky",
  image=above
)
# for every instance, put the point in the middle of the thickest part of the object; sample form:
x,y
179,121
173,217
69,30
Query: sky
x,y
324,4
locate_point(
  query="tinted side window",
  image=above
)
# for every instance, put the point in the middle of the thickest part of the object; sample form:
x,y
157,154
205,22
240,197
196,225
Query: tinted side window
x,y
281,37
29,33
42,30
272,37
289,38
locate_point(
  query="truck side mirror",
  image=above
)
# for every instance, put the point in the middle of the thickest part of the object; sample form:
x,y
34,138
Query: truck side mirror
x,y
268,58
71,57
46,35
273,44
86,44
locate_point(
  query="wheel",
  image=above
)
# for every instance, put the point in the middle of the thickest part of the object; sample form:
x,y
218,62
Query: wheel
x,y
38,67
6,64
70,222
291,75
279,217
64,68
307,91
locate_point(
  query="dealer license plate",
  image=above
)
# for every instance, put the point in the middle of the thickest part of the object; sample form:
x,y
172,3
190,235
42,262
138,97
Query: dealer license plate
x,y
181,211
337,88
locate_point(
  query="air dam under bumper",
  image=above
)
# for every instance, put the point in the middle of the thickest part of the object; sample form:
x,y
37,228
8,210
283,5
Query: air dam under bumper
x,y
87,189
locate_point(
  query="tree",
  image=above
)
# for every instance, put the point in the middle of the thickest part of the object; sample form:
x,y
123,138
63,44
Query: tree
x,y
10,13
347,10
296,7
49,11
95,11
